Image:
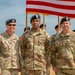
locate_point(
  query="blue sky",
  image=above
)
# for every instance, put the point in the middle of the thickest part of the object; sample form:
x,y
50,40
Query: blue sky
x,y
17,9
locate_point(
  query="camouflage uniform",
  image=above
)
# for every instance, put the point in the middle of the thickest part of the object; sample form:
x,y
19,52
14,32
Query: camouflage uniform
x,y
62,51
9,54
36,52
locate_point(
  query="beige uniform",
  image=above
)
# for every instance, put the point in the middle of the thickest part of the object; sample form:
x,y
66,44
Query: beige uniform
x,y
9,54
63,50
35,51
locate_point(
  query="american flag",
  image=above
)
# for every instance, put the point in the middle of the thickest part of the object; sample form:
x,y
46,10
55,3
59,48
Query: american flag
x,y
54,7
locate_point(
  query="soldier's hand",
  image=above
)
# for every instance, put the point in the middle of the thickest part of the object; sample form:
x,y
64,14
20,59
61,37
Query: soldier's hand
x,y
0,72
55,69
20,38
73,65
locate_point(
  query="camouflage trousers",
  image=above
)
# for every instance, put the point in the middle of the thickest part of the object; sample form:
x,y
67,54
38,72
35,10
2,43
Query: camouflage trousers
x,y
9,72
35,72
65,72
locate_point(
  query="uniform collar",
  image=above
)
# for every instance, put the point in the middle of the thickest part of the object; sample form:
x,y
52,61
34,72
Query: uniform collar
x,y
68,34
8,34
37,33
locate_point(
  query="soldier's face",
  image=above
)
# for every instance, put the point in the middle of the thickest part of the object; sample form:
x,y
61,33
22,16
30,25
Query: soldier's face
x,y
43,28
65,25
58,30
35,23
11,27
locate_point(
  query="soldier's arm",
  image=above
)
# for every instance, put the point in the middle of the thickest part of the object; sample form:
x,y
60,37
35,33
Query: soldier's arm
x,y
68,57
22,45
54,51
21,61
22,49
71,61
47,48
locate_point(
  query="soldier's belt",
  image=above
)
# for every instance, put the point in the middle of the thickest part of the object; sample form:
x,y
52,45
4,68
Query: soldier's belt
x,y
68,71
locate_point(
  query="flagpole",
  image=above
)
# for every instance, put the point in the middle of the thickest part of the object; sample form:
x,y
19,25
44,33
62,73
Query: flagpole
x,y
26,21
58,21
43,20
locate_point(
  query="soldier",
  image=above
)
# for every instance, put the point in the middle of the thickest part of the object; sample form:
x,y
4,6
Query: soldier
x,y
43,27
25,29
9,50
36,49
73,30
58,29
63,50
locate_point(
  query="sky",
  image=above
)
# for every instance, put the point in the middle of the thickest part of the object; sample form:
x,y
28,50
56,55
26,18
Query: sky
x,y
17,9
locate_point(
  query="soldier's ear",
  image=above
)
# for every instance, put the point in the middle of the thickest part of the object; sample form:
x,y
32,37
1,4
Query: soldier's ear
x,y
40,21
6,26
70,23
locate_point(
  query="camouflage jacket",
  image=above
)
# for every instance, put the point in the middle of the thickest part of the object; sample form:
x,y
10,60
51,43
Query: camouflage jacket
x,y
9,51
63,50
35,49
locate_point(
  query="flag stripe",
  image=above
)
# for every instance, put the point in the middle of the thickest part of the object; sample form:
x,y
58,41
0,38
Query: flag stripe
x,y
51,9
51,5
68,0
50,12
69,3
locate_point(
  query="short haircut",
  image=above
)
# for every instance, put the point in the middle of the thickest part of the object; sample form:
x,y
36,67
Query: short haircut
x,y
73,30
56,26
42,25
34,17
10,21
28,28
64,19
